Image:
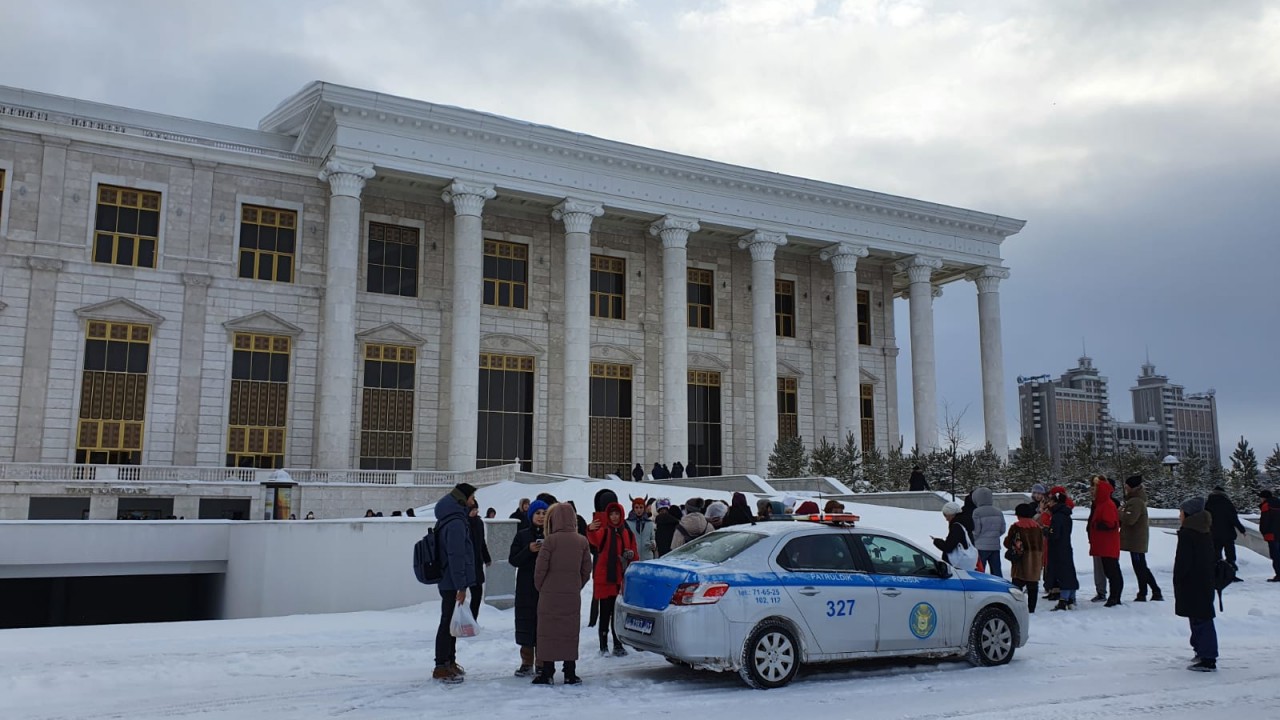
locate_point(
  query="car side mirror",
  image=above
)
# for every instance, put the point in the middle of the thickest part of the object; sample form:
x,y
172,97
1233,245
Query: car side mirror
x,y
943,569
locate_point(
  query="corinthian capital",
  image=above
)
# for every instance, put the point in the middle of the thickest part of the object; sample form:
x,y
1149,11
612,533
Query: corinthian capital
x,y
844,256
988,278
762,243
467,198
919,268
345,178
673,230
577,214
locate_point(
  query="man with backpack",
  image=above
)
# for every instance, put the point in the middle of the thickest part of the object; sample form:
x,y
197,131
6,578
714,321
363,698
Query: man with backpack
x,y
457,558
1194,581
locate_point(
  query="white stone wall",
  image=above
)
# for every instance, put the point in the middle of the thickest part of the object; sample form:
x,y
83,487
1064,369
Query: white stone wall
x,y
201,205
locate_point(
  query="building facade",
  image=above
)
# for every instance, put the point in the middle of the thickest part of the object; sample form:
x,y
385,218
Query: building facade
x,y
373,282
1058,414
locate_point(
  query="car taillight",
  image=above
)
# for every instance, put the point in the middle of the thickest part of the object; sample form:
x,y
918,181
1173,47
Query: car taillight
x,y
699,593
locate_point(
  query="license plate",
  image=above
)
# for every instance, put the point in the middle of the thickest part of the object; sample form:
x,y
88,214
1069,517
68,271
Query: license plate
x,y
642,625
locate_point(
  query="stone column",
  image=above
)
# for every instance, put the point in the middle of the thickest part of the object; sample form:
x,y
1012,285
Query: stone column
x,y
37,353
336,409
674,232
924,381
577,216
844,261
764,342
993,411
186,430
468,285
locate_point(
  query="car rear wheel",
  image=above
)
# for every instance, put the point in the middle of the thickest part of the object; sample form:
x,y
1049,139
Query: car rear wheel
x,y
770,657
992,639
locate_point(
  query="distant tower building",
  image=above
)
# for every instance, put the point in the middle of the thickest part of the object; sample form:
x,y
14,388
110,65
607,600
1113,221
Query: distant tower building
x,y
1058,414
1186,421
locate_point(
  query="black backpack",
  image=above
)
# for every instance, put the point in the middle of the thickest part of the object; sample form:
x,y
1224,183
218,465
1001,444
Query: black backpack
x,y
1224,573
427,566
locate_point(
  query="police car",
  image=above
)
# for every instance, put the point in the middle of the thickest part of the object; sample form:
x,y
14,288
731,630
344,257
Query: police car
x,y
765,599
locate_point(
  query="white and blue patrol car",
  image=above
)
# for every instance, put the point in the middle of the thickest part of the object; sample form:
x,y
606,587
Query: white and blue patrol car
x,y
765,599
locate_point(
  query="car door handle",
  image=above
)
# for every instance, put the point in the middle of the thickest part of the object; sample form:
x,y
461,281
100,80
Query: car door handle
x,y
891,592
809,591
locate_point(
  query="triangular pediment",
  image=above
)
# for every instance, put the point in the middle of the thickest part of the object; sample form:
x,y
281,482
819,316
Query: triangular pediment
x,y
867,377
392,334
263,322
120,310
703,360
788,370
504,343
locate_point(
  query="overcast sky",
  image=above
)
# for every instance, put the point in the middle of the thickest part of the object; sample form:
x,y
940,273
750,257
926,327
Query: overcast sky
x,y
1139,139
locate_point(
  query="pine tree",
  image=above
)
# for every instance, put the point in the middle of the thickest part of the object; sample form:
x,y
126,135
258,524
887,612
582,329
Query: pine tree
x,y
1084,460
1244,474
1128,462
849,459
899,470
875,470
789,458
987,469
1194,476
824,459
1028,466
1272,466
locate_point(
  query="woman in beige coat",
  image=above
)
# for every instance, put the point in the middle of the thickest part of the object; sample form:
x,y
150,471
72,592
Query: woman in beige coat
x,y
563,569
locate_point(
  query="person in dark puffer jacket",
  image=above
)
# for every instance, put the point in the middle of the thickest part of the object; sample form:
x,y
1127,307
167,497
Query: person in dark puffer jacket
x,y
1269,526
1226,523
458,574
524,558
1193,582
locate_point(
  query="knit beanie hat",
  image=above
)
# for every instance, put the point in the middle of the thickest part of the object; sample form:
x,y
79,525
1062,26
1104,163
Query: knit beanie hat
x,y
1134,481
1039,488
1192,505
534,507
951,509
716,510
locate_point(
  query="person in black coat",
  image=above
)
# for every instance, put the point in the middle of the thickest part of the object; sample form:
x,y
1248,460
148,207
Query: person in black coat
x,y
1193,582
739,512
918,482
659,472
957,535
482,555
664,526
965,517
1226,523
637,473
521,514
524,558
677,470
1061,575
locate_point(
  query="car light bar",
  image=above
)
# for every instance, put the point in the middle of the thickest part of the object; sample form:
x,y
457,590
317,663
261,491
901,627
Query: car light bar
x,y
699,593
830,519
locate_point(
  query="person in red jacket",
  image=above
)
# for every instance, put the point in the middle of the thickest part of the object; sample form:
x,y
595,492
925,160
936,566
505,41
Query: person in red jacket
x,y
1269,526
1104,536
614,546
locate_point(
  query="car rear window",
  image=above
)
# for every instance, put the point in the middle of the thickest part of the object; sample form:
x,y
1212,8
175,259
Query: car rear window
x,y
715,547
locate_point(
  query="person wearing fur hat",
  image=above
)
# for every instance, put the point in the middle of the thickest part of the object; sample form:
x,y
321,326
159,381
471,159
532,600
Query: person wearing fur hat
x,y
524,557
562,570
1062,562
693,524
808,507
614,546
1025,546
715,514
641,523
458,573
958,537
1104,539
1193,587
1134,537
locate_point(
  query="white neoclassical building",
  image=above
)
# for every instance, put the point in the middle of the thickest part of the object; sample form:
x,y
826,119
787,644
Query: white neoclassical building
x,y
368,281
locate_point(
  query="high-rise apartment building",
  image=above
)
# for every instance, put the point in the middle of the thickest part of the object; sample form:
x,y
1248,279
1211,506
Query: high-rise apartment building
x,y
1188,421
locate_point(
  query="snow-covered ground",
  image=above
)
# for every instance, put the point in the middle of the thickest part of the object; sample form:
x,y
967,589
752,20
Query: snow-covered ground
x,y
1091,663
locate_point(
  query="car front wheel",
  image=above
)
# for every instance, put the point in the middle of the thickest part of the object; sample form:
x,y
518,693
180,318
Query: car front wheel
x,y
992,640
770,657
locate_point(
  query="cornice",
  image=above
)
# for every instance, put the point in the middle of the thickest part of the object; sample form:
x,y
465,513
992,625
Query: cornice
x,y
323,104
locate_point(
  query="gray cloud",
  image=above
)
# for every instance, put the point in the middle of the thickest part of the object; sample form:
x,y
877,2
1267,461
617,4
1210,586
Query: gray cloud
x,y
1138,139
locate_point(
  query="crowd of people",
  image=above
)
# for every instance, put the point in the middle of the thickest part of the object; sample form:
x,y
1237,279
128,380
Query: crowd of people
x,y
556,552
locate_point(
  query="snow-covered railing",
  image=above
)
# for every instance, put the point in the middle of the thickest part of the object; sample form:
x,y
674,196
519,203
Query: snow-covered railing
x,y
54,472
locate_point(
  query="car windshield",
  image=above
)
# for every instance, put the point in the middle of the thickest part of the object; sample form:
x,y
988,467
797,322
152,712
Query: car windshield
x,y
715,547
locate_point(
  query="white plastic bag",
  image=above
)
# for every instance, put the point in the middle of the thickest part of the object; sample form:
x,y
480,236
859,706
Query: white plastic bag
x,y
965,558
464,625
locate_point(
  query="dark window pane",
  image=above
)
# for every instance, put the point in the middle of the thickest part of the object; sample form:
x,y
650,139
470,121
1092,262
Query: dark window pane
x,y
391,254
241,363
106,219
95,355
377,252
124,250
117,356
246,264
409,283
267,239
285,240
249,237
102,248
374,282
624,404
520,271
284,268
371,373
149,223
518,299
127,221
409,256
489,293
146,253
261,366
490,267
279,367
264,267
504,295
406,376
617,308
137,357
